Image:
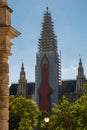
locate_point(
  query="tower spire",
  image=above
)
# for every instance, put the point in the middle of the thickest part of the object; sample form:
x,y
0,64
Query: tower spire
x,y
47,41
22,70
80,78
80,68
22,89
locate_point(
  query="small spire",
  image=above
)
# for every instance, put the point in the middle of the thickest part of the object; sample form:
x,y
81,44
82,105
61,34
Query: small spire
x,y
47,8
80,63
22,62
22,68
80,60
47,41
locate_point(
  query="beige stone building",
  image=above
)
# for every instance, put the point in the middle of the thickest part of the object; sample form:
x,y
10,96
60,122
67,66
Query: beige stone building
x,y
7,32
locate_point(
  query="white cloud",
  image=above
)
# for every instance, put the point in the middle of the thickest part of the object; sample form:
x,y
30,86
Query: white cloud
x,y
70,72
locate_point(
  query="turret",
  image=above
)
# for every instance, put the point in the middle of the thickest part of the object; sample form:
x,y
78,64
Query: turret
x,y
22,89
80,78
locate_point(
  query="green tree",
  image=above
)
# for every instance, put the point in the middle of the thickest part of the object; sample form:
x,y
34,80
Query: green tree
x,y
62,117
69,116
23,114
80,112
85,87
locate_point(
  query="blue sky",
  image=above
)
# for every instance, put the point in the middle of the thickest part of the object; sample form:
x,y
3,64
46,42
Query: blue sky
x,y
70,26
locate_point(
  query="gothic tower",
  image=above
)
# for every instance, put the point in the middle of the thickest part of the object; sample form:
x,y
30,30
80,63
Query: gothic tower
x,y
47,65
80,78
22,89
7,32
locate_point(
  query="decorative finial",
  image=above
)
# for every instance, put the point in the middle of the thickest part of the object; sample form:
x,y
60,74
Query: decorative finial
x,y
22,67
80,61
47,7
22,64
80,57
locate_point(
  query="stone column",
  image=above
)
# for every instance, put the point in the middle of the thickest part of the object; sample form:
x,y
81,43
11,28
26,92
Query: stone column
x,y
6,34
3,2
4,91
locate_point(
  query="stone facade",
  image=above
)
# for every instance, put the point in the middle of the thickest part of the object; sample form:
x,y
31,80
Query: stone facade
x,y
7,32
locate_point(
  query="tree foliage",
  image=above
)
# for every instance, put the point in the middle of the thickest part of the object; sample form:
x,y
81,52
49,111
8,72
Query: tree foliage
x,y
61,118
69,116
85,87
80,112
23,114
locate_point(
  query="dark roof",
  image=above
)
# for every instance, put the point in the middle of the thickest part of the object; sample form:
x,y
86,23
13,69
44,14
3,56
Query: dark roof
x,y
31,89
68,86
13,89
